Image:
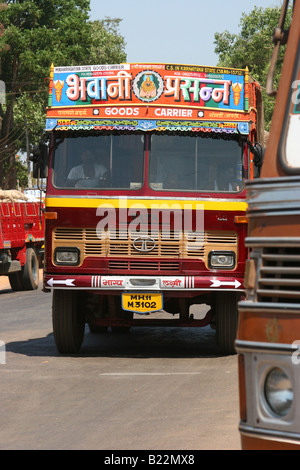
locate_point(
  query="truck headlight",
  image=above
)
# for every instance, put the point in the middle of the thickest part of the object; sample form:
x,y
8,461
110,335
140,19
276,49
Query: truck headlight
x,y
67,256
221,259
278,391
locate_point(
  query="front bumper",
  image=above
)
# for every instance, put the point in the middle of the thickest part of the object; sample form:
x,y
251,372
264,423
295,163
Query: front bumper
x,y
151,283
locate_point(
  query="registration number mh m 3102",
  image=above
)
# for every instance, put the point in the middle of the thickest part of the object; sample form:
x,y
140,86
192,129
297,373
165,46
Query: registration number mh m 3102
x,y
142,302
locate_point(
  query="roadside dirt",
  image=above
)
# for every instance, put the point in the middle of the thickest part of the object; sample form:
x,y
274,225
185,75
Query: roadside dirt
x,y
4,281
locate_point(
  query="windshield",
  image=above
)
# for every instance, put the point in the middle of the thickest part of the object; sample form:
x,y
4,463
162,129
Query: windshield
x,y
195,164
289,146
175,163
103,161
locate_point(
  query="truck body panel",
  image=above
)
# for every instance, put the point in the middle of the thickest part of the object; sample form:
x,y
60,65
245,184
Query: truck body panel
x,y
269,318
21,229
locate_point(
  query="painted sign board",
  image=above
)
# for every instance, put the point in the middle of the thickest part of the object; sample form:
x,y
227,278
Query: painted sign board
x,y
149,96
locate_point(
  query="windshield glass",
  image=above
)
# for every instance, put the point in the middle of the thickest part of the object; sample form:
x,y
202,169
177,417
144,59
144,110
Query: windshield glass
x,y
289,148
176,163
184,163
103,161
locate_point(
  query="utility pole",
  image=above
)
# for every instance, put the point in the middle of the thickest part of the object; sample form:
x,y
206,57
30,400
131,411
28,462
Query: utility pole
x,y
28,155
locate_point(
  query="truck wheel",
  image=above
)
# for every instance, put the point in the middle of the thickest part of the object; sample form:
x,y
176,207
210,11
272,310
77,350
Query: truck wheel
x,y
68,321
15,281
226,305
30,271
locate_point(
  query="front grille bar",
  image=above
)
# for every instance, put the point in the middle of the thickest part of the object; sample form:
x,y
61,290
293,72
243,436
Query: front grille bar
x,y
278,273
176,245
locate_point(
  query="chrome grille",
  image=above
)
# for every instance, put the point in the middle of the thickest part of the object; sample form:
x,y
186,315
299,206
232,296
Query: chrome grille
x,y
279,275
135,265
119,244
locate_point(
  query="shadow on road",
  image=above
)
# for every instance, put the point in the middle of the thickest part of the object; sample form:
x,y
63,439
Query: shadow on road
x,y
139,342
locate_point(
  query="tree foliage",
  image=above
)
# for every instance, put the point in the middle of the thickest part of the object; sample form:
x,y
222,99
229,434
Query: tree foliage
x,y
34,34
253,47
107,45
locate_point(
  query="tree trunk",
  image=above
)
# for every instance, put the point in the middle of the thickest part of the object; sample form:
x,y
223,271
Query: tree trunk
x,y
8,150
7,145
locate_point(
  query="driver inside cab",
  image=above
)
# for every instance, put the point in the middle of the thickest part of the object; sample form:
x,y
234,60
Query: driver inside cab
x,y
88,174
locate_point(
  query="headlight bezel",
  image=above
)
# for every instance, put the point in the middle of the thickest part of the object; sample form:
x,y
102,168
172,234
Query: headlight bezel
x,y
258,364
221,253
268,401
66,249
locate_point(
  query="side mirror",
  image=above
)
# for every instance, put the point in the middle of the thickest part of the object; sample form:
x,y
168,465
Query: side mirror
x,y
258,153
39,158
44,160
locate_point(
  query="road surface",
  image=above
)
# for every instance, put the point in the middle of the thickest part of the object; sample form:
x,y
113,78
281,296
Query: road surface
x,y
149,389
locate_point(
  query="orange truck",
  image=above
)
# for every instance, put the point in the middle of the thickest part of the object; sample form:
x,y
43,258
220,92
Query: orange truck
x,y
268,336
21,241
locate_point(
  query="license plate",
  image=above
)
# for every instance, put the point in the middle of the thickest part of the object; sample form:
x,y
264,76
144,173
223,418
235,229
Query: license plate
x,y
142,302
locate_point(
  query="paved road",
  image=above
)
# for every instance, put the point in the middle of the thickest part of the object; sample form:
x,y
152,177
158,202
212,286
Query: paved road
x,y
150,389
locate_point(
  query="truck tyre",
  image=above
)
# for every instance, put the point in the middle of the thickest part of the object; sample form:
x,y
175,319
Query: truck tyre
x,y
15,281
30,271
226,305
68,321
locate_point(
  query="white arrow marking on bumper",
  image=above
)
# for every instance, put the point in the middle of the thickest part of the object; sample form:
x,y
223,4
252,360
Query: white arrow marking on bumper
x,y
65,282
218,283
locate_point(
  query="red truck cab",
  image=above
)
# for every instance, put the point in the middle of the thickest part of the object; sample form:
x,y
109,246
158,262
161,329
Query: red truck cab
x,y
145,202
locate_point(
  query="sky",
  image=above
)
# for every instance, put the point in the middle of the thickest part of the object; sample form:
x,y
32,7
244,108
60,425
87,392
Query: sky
x,y
175,31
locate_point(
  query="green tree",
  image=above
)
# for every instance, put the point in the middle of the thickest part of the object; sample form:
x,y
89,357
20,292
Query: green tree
x,y
107,45
35,34
253,47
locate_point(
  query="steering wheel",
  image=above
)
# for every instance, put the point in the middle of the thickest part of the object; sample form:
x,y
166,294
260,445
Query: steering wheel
x,y
97,182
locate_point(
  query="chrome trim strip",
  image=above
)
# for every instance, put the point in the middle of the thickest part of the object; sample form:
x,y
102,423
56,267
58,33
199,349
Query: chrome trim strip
x,y
280,180
269,307
291,438
270,348
272,196
276,242
272,213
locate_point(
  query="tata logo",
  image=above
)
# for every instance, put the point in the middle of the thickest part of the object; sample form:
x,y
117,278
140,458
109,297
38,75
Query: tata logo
x,y
144,244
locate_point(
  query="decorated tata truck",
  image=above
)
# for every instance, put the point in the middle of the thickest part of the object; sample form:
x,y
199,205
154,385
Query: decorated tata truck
x,y
268,335
145,201
21,239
